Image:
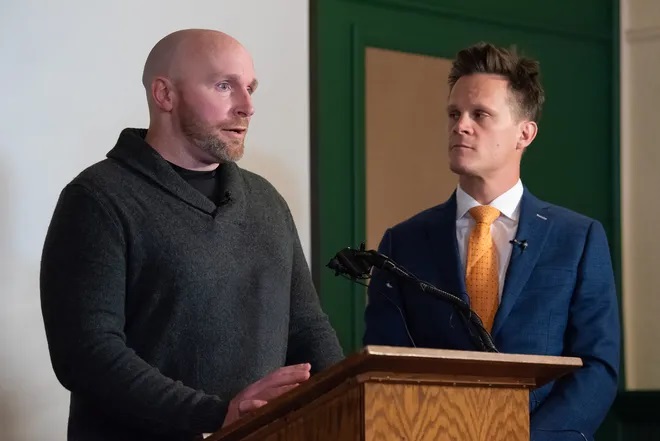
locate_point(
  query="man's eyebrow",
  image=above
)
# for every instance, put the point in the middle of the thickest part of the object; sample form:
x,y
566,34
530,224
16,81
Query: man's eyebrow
x,y
487,109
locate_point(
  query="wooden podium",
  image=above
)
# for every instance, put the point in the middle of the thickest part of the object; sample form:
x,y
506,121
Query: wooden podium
x,y
391,393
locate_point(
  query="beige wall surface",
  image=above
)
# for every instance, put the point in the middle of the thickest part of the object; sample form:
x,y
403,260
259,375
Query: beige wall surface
x,y
640,190
406,137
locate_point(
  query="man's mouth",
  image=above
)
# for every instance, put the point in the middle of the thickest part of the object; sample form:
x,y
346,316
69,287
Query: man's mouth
x,y
235,131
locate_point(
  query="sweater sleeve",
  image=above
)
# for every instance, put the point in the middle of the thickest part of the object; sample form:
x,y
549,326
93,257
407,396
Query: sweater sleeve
x,y
312,338
83,280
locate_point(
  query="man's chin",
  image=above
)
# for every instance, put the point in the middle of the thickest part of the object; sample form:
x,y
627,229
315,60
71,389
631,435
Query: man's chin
x,y
232,153
459,168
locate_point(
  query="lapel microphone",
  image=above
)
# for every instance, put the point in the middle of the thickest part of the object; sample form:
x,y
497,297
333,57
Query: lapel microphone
x,y
522,244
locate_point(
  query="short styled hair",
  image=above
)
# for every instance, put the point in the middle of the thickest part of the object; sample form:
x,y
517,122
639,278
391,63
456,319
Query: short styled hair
x,y
522,73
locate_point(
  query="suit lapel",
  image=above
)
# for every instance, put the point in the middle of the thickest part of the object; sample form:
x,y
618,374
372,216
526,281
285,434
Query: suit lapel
x,y
533,226
446,269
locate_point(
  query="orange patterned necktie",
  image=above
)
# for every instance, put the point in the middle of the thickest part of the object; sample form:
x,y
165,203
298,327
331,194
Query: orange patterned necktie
x,y
481,274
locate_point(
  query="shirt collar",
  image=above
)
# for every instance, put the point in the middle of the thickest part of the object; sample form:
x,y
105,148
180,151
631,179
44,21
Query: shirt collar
x,y
508,202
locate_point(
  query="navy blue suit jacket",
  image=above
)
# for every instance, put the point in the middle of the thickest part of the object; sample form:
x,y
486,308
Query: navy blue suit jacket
x,y
559,298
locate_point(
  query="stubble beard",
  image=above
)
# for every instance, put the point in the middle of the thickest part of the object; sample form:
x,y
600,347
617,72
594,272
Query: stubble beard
x,y
204,137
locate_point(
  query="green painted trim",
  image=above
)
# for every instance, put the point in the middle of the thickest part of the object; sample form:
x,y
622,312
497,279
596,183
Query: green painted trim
x,y
496,13
638,407
314,183
359,166
335,206
617,245
634,416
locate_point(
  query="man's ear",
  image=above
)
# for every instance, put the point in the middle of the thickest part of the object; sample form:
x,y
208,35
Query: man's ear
x,y
162,94
526,134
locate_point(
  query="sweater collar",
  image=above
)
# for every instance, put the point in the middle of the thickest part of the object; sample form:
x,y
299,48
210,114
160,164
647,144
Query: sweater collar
x,y
133,151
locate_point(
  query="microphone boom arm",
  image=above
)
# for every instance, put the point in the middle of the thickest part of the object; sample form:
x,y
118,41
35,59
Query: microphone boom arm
x,y
358,264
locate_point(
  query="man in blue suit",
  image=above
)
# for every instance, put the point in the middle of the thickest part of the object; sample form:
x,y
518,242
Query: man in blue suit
x,y
539,275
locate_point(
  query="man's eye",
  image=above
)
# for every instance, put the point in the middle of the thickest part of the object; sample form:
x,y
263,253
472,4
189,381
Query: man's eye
x,y
224,86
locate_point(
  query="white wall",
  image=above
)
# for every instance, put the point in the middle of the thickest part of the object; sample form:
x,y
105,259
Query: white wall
x,y
640,182
70,81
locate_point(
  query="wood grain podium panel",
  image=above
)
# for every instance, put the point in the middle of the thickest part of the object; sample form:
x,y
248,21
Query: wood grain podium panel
x,y
336,420
277,436
442,413
335,417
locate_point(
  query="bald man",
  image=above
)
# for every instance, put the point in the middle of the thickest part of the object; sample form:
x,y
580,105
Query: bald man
x,y
175,294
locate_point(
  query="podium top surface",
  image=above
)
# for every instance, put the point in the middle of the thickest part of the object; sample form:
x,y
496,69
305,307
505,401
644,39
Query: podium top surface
x,y
472,367
418,365
444,356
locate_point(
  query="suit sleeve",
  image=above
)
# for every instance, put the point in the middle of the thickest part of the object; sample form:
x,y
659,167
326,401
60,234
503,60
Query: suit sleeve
x,y
385,312
579,402
83,280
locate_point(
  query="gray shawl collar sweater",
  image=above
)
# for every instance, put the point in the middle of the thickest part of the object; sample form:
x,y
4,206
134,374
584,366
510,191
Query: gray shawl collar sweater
x,y
160,306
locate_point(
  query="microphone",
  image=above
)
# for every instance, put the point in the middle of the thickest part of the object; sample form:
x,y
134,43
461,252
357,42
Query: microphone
x,y
358,263
226,198
348,262
522,244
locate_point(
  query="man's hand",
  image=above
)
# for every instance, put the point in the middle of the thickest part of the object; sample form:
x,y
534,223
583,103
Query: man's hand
x,y
268,388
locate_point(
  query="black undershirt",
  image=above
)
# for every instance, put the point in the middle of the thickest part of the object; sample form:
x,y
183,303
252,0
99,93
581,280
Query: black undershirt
x,y
211,184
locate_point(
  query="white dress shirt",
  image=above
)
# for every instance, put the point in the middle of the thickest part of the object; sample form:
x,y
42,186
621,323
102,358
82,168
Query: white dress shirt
x,y
503,229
